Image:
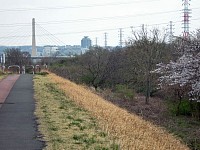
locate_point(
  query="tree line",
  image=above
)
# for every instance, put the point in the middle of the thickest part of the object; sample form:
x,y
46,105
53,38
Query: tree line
x,y
148,64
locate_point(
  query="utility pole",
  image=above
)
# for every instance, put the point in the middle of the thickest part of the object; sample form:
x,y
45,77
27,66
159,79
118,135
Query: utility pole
x,y
33,38
105,39
186,16
143,28
120,37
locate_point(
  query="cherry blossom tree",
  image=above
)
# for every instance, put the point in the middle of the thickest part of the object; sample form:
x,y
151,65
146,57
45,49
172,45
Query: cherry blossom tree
x,y
185,71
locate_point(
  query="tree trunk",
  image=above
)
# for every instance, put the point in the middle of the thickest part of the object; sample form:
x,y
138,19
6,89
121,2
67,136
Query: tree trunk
x,y
147,89
198,110
178,107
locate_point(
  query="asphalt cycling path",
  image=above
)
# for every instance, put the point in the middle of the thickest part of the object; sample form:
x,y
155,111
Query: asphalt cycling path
x,y
18,127
5,87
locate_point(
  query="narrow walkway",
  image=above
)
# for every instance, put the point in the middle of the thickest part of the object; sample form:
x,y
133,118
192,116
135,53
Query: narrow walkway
x,y
5,87
18,128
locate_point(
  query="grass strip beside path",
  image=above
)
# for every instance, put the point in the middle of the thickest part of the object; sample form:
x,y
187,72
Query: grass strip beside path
x,y
66,126
132,131
2,76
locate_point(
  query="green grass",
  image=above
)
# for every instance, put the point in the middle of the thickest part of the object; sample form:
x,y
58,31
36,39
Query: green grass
x,y
186,129
183,125
2,75
124,92
65,125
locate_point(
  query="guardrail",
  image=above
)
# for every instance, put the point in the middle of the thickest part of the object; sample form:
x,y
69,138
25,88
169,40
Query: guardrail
x,y
22,69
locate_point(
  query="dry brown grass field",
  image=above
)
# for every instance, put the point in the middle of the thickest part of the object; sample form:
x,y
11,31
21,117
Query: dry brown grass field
x,y
131,131
64,125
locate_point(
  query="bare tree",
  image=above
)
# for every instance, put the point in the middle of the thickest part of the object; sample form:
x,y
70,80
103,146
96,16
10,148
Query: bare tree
x,y
148,50
14,56
95,64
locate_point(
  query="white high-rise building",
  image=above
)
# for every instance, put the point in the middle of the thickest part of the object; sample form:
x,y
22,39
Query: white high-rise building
x,y
50,51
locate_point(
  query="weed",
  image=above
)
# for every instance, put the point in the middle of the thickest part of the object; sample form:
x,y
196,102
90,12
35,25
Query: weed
x,y
89,141
61,107
101,148
102,134
75,123
59,140
115,146
82,128
79,120
53,128
77,137
42,73
70,117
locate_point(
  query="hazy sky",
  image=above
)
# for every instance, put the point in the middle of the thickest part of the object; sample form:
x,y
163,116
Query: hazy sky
x,y
70,20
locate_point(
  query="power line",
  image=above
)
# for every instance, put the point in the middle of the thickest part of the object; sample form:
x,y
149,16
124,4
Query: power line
x,y
87,19
72,7
15,25
13,37
91,19
107,18
97,30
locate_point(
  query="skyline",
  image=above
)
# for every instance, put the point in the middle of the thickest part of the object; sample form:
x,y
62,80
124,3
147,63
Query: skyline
x,y
69,21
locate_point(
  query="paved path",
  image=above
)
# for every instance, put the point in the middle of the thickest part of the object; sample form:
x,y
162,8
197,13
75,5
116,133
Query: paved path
x,y
18,128
5,87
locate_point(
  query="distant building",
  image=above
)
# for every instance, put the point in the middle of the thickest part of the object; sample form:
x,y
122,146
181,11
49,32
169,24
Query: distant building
x,y
86,42
84,50
71,50
50,51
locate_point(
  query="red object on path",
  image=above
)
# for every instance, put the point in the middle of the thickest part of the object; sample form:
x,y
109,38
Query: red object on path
x,y
5,87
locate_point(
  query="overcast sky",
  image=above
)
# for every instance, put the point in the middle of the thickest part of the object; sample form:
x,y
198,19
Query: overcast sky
x,y
70,20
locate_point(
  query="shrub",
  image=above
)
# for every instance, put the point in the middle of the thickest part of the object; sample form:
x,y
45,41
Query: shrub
x,y
124,91
184,108
1,73
43,73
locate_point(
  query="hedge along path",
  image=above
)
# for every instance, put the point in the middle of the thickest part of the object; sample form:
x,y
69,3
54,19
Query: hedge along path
x,y
132,131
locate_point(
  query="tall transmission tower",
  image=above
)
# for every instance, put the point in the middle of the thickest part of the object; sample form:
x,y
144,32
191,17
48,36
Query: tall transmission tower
x,y
105,34
186,16
120,37
34,51
96,41
171,31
